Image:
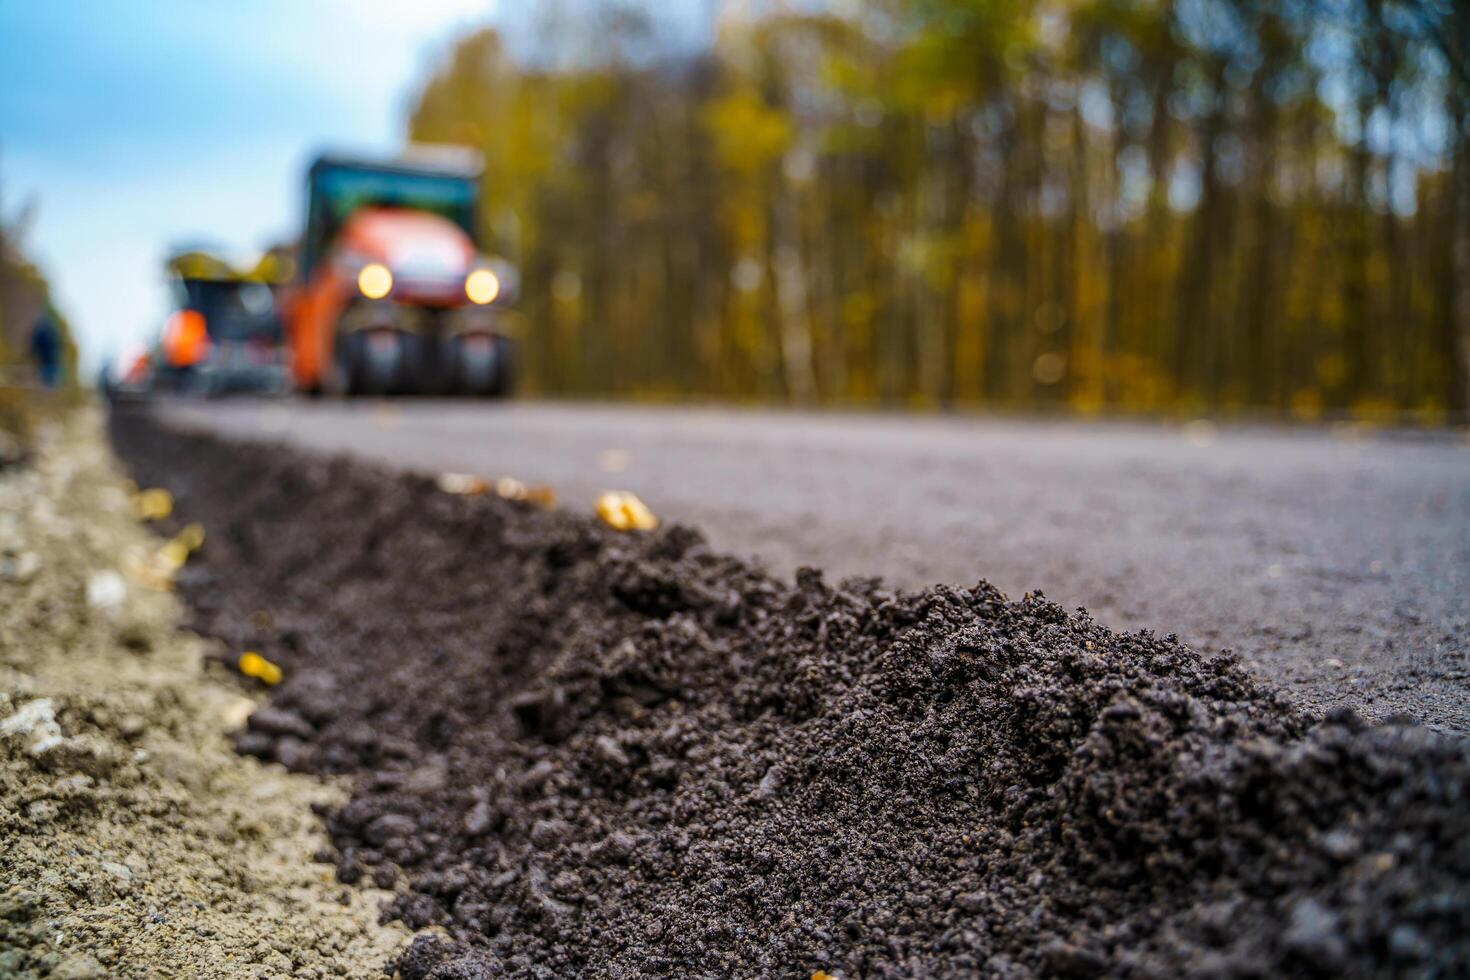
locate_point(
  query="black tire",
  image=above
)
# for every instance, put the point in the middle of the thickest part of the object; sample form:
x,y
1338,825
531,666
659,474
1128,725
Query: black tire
x,y
381,375
356,370
497,379
472,372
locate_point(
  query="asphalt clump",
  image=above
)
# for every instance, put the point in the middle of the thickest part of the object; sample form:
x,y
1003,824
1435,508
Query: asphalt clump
x,y
579,751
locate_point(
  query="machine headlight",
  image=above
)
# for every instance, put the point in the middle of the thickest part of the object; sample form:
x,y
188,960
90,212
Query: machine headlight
x,y
375,281
482,286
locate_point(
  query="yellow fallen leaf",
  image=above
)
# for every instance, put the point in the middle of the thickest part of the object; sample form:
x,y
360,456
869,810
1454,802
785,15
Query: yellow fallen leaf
x,y
642,517
609,507
623,511
510,488
462,484
192,536
153,504
252,664
541,495
171,556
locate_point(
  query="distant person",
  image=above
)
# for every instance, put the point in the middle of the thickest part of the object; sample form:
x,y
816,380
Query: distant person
x,y
46,349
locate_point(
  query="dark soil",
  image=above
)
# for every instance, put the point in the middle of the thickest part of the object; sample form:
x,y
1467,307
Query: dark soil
x,y
586,753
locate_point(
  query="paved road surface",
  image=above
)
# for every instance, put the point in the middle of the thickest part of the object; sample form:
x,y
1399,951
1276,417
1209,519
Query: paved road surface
x,y
1337,564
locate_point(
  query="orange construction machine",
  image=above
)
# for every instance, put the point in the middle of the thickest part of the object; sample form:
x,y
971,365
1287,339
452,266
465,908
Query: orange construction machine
x,y
392,293
224,335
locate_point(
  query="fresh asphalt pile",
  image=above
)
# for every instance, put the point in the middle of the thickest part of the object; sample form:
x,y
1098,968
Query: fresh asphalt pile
x,y
583,752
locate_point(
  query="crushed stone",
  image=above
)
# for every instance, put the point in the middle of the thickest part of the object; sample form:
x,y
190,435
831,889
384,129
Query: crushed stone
x,y
133,841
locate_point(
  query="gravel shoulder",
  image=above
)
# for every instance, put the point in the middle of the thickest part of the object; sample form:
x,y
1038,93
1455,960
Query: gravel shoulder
x,y
134,842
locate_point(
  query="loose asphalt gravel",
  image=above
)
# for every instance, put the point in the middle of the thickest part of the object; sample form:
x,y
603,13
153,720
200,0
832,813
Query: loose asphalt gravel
x,y
585,753
1336,562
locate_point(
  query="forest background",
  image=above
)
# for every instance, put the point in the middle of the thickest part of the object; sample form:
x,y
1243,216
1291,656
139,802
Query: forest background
x,y
1151,206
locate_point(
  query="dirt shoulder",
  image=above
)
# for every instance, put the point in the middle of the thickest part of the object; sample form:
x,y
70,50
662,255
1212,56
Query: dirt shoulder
x,y
133,840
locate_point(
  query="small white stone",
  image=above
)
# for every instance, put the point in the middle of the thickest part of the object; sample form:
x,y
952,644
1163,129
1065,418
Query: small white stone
x,y
118,870
106,590
36,719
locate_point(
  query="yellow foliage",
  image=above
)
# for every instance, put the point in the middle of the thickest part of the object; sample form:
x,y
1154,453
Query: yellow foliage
x,y
1331,369
748,135
1378,411
1306,404
941,173
1431,412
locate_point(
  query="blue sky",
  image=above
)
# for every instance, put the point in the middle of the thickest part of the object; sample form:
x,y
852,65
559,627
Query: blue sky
x,y
137,126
